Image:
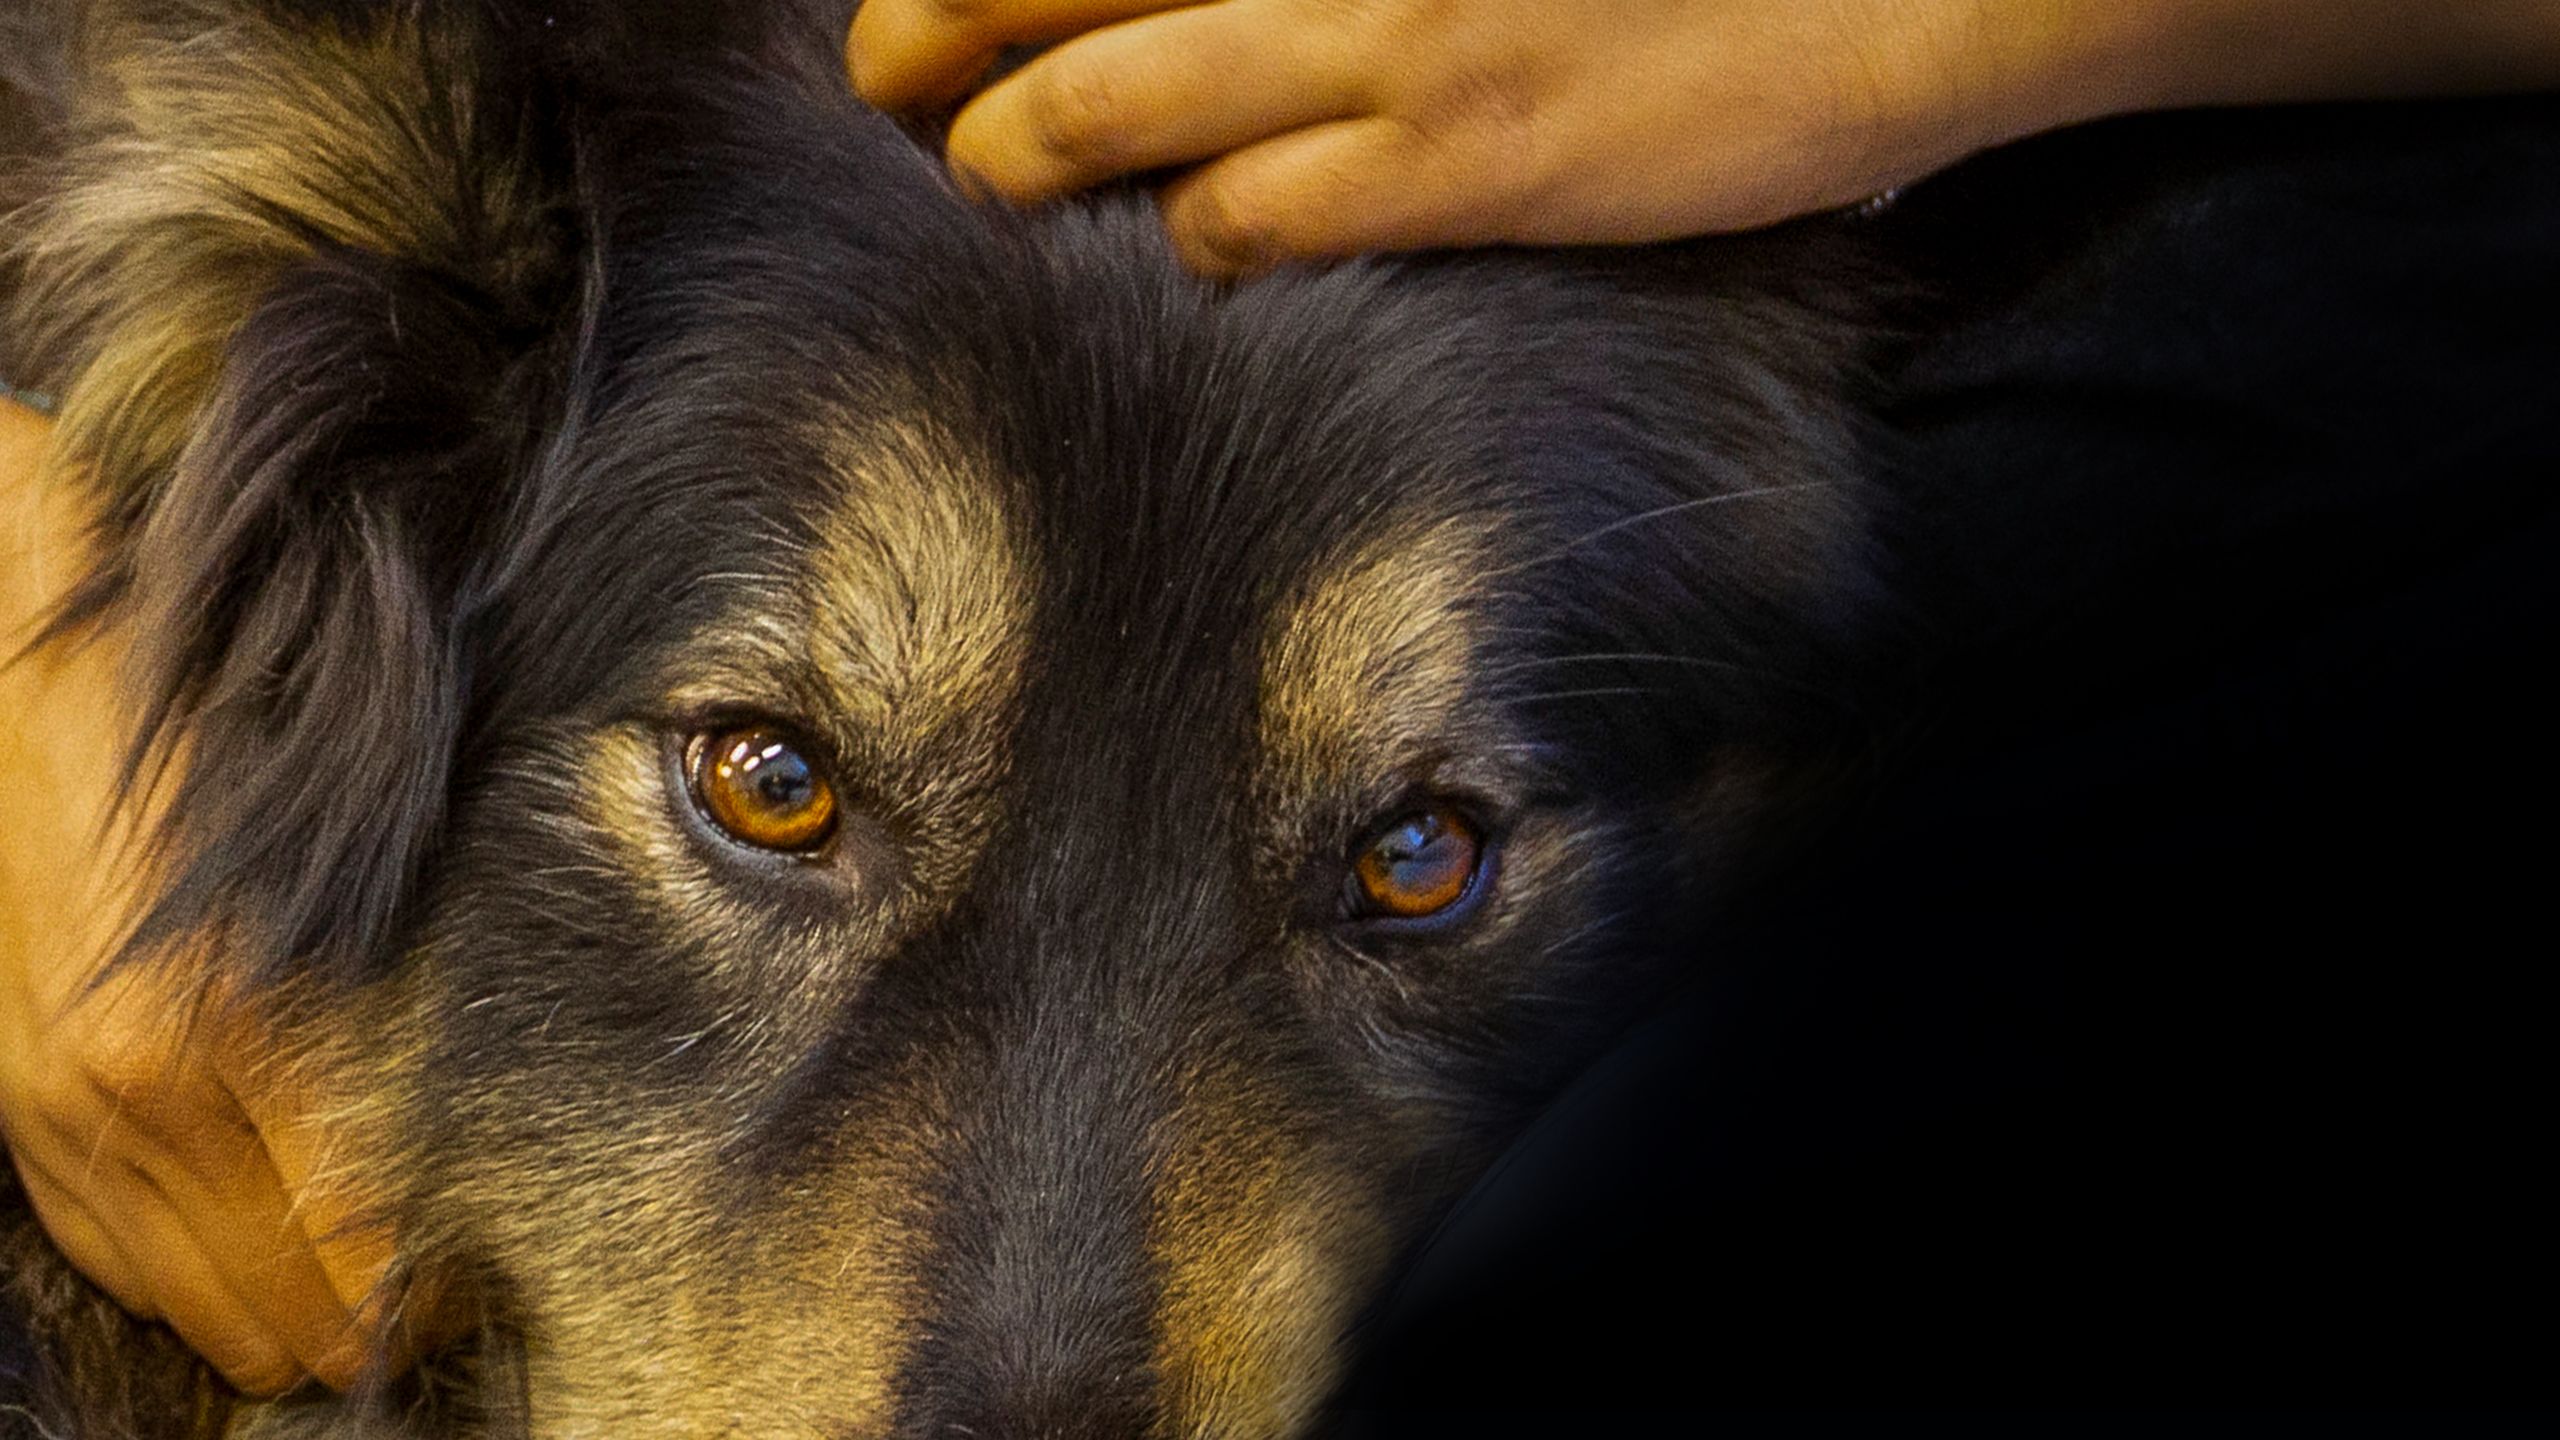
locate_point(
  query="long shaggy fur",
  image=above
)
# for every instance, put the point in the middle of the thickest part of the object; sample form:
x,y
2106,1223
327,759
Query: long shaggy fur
x,y
367,210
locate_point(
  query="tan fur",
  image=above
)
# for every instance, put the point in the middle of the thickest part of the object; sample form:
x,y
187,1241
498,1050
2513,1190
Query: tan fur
x,y
920,620
658,1315
923,587
165,239
914,622
1264,1258
757,1338
1376,658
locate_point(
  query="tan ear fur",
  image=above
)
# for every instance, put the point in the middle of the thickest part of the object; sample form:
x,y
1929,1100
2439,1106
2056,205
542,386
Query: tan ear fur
x,y
210,154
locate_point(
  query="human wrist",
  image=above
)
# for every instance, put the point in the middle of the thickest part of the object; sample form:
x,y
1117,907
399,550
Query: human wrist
x,y
2022,67
2065,61
1949,78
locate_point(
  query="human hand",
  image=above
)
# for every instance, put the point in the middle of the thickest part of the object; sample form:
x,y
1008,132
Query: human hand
x,y
172,1166
1316,128
1329,128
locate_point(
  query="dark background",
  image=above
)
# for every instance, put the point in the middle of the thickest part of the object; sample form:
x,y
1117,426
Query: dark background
x,y
2176,1028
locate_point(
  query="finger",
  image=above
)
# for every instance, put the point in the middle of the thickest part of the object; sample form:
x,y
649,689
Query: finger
x,y
183,1141
89,1246
298,1144
914,54
264,1257
176,1283
1328,191
208,1308
1165,90
352,1245
248,1187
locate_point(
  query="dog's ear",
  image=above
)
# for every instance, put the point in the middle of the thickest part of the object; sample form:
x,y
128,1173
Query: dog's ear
x,y
297,285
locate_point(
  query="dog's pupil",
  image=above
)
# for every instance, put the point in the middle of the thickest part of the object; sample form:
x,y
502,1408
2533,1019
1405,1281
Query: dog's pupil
x,y
1420,857
759,787
1414,840
783,781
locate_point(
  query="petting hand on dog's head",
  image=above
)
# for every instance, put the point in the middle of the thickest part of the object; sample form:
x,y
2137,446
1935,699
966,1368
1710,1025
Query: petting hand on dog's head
x,y
1323,129
173,1172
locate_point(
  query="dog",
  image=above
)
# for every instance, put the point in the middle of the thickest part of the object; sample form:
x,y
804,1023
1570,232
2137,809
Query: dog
x,y
889,818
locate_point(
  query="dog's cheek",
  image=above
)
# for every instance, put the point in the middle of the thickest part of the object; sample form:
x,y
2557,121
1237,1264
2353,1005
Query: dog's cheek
x,y
592,941
653,1279
788,1313
1266,1244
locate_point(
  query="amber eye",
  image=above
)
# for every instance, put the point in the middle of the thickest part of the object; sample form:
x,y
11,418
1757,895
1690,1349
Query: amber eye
x,y
1419,866
756,785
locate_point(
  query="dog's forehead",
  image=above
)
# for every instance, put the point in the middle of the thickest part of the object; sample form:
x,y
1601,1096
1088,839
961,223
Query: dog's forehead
x,y
1377,654
940,585
1255,519
1232,567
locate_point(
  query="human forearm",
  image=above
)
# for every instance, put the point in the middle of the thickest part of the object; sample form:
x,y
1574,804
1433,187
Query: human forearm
x,y
2064,61
1299,129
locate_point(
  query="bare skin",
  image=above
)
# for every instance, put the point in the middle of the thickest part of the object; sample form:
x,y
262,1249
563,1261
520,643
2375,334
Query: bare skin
x,y
1305,129
170,1169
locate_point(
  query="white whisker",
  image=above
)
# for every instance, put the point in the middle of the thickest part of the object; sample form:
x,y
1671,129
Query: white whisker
x,y
1658,512
1627,657
1590,694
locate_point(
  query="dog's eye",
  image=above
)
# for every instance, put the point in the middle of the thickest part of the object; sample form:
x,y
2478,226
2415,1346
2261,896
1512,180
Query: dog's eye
x,y
758,787
1419,866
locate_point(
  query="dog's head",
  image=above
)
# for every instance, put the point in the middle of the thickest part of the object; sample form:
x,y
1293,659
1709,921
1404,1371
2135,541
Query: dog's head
x,y
898,820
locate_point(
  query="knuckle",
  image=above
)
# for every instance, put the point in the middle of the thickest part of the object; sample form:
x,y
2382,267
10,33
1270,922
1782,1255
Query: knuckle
x,y
75,1102
1346,14
126,1082
1336,14
1487,108
902,52
252,1360
1074,113
256,1366
1415,27
1231,225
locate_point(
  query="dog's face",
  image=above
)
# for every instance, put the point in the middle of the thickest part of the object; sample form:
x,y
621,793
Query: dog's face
x,y
1074,853
999,828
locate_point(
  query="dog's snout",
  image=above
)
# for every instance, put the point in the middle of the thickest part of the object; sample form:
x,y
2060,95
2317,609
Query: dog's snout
x,y
1027,1348
1073,1398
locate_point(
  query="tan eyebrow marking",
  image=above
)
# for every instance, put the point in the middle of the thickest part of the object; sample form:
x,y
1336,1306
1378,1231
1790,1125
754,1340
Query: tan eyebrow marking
x,y
1375,656
921,587
897,633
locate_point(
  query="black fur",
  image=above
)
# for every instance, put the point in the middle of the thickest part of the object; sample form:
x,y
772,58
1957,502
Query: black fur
x,y
479,464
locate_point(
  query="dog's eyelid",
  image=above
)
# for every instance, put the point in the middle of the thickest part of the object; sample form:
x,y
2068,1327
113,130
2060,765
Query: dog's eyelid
x,y
1448,919
1489,800
787,708
1396,875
